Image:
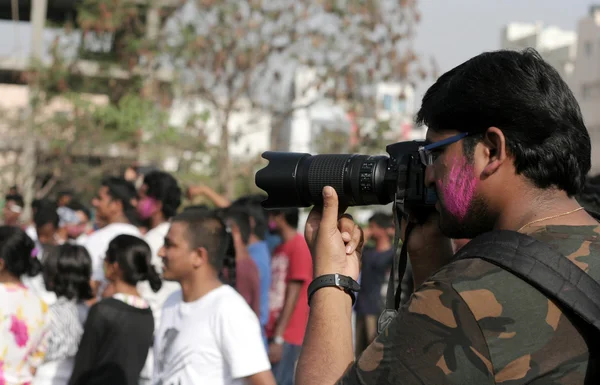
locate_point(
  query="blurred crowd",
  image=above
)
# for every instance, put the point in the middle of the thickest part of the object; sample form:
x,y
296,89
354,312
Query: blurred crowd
x,y
136,289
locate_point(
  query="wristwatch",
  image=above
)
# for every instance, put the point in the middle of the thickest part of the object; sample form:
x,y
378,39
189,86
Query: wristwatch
x,y
278,340
347,284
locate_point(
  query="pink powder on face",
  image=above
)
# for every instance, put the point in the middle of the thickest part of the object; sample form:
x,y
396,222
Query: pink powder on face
x,y
459,188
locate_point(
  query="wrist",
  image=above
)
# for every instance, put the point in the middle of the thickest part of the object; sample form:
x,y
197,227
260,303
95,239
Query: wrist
x,y
278,340
329,299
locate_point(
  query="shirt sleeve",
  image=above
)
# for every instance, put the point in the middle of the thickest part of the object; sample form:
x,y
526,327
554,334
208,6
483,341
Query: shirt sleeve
x,y
435,339
242,344
300,262
93,333
97,257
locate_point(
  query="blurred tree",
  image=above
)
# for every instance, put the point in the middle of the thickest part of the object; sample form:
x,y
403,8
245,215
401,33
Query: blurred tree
x,y
239,58
277,56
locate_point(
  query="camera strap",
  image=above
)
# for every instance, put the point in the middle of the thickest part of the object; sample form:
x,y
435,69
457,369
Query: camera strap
x,y
393,294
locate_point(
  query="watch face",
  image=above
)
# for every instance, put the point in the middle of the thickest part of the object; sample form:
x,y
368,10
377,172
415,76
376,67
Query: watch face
x,y
278,340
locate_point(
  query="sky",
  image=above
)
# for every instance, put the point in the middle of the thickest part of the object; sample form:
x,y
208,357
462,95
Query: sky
x,y
453,31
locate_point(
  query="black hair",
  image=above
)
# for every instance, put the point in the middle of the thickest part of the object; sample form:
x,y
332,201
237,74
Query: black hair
x,y
120,190
242,220
134,258
15,250
382,220
42,203
198,208
64,193
67,271
207,229
526,98
164,188
17,198
78,206
252,203
123,191
45,215
291,215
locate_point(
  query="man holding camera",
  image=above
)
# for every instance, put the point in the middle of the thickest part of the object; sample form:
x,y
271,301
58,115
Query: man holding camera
x,y
512,151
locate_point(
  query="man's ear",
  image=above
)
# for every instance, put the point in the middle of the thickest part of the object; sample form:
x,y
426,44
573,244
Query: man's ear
x,y
200,257
492,151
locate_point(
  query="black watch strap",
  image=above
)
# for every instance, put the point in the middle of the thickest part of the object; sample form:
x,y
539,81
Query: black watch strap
x,y
349,285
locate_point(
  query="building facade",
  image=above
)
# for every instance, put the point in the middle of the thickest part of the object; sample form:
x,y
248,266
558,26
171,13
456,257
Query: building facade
x,y
585,81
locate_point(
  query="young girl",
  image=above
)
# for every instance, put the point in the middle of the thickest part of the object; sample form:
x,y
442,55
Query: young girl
x,y
22,314
119,330
67,271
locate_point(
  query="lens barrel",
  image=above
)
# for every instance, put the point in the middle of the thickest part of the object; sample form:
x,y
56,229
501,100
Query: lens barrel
x,y
297,179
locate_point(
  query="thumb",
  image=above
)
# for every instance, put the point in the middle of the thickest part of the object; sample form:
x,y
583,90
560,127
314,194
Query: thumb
x,y
329,217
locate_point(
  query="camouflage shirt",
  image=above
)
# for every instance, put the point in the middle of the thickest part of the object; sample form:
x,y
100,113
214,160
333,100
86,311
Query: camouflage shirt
x,y
475,323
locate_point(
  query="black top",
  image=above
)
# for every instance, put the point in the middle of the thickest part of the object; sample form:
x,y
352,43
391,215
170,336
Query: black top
x,y
375,264
114,346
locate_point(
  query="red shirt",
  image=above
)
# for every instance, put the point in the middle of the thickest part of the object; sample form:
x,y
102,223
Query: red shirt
x,y
291,261
247,282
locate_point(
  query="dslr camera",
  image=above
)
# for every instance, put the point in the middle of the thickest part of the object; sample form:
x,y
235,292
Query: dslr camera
x,y
297,179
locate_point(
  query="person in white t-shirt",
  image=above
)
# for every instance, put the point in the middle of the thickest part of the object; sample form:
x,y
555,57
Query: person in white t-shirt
x,y
208,334
159,197
113,203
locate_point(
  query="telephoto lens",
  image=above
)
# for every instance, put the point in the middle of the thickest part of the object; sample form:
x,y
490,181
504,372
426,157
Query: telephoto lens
x,y
297,179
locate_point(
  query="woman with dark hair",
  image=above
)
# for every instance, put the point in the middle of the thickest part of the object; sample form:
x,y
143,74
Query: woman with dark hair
x,y
119,329
22,314
67,272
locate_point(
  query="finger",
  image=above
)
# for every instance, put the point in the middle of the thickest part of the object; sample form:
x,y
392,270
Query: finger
x,y
356,241
346,237
346,224
329,218
312,224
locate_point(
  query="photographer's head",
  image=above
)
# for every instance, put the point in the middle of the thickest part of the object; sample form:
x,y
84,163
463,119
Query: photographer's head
x,y
511,129
194,247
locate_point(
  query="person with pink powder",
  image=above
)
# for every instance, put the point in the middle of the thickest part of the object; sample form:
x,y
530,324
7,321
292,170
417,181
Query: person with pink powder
x,y
506,151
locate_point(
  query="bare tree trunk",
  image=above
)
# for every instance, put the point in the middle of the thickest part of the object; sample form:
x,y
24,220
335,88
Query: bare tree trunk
x,y
276,140
226,180
38,20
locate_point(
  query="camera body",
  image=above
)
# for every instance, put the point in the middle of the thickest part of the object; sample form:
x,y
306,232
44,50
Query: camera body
x,y
297,179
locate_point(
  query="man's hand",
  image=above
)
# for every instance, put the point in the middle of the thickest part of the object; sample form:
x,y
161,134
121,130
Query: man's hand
x,y
275,352
428,249
335,244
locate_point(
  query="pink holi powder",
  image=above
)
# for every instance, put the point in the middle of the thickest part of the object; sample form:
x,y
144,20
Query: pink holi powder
x,y
459,189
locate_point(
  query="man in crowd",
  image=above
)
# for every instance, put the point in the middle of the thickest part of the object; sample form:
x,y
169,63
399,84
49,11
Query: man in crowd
x,y
247,281
376,261
513,162
208,334
292,271
112,203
